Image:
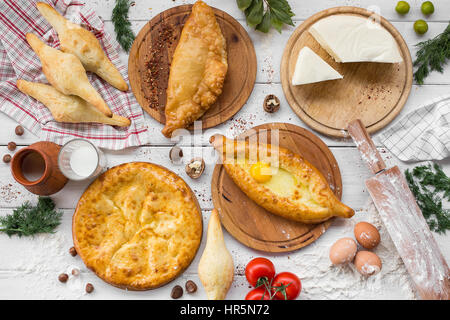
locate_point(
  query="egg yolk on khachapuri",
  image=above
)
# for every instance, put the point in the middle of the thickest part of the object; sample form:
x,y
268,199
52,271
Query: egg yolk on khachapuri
x,y
276,179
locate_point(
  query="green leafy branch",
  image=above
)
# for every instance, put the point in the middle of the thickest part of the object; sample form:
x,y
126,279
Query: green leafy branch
x,y
427,183
264,14
432,55
122,26
28,220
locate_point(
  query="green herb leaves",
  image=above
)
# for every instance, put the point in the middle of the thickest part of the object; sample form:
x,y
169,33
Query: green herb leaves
x,y
29,220
122,25
264,14
432,55
427,183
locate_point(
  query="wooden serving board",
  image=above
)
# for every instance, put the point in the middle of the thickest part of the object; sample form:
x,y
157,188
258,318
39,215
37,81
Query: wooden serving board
x,y
254,226
239,80
372,92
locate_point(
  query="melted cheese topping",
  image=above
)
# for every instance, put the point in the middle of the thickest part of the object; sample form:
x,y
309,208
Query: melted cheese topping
x,y
138,226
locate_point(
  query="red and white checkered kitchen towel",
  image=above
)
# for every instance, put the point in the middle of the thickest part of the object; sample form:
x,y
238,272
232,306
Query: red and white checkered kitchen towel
x,y
18,61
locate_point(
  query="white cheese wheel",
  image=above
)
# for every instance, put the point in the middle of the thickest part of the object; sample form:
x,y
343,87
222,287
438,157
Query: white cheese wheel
x,y
355,39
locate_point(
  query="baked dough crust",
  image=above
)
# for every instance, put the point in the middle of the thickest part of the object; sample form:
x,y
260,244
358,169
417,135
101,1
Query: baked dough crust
x,y
198,69
137,226
82,43
308,199
65,108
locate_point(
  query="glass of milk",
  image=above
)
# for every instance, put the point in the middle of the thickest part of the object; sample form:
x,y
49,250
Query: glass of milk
x,y
79,159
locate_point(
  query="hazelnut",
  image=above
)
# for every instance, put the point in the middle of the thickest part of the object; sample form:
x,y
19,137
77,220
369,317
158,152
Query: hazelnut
x,y
75,272
175,154
19,130
195,168
7,158
191,287
177,292
63,277
12,146
73,251
271,103
89,288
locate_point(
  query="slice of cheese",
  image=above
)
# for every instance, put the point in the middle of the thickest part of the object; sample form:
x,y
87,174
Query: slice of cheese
x,y
354,39
311,68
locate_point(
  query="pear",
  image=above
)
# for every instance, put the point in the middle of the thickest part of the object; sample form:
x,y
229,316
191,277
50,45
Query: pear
x,y
216,268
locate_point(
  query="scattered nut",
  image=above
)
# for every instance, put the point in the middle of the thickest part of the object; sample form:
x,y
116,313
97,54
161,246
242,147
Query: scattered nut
x,y
177,292
89,288
195,168
175,154
191,287
75,272
63,277
73,251
271,103
12,146
19,130
7,158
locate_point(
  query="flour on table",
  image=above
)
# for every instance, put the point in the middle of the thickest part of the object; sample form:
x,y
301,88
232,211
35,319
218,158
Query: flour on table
x,y
322,280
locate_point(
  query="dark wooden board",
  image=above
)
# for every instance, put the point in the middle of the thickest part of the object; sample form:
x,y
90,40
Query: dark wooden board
x,y
239,80
257,228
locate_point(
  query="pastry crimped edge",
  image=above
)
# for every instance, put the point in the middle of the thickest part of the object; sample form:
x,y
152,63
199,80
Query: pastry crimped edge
x,y
179,270
266,199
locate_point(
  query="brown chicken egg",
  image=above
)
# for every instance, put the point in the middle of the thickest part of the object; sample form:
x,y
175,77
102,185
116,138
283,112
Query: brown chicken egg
x,y
367,263
343,251
367,235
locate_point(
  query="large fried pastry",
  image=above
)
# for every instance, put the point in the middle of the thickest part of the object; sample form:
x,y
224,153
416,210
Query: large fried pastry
x,y
197,71
280,181
65,72
138,226
82,43
66,108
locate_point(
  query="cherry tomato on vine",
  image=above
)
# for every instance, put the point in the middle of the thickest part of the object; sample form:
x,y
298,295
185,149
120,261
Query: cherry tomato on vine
x,y
259,268
258,294
288,283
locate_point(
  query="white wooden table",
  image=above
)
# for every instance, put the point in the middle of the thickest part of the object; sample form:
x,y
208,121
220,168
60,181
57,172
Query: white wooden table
x,y
29,267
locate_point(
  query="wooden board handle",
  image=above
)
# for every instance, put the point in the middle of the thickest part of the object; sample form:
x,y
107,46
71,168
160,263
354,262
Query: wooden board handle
x,y
365,145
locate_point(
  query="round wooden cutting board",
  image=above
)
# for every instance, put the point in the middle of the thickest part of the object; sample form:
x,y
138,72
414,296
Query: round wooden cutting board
x,y
239,80
372,92
254,226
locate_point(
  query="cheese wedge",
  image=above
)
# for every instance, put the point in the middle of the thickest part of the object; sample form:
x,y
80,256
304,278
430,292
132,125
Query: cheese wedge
x,y
354,39
311,68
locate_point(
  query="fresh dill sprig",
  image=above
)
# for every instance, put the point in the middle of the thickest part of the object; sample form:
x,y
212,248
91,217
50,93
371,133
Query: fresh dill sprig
x,y
122,25
28,220
432,55
427,184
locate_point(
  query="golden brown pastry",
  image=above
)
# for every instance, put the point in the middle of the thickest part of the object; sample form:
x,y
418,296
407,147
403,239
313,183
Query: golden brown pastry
x,y
65,72
290,187
66,108
216,268
82,43
197,71
138,226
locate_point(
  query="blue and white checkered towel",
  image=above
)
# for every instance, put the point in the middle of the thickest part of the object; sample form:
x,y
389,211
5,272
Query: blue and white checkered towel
x,y
423,134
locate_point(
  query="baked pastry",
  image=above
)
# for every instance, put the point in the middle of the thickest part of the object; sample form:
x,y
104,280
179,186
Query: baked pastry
x,y
197,70
65,72
82,43
216,268
279,180
66,108
137,226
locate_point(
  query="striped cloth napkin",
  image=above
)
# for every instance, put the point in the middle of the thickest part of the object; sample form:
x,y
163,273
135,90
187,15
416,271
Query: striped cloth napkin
x,y
18,61
423,134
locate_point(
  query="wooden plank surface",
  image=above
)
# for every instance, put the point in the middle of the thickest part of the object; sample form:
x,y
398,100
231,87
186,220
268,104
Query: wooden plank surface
x,y
29,267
